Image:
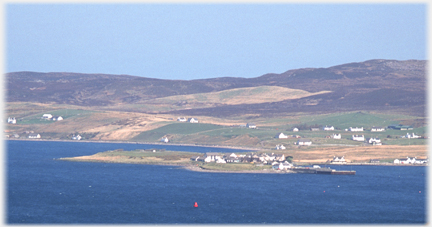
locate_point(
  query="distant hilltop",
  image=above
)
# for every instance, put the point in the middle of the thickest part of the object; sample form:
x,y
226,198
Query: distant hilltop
x,y
368,85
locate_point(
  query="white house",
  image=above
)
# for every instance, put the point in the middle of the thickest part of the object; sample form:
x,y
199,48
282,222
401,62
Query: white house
x,y
282,165
250,125
77,137
220,160
356,129
328,128
358,137
421,161
295,129
377,129
211,157
374,140
47,116
338,160
193,120
165,139
57,118
337,136
281,136
304,142
181,119
11,120
34,136
413,136
280,147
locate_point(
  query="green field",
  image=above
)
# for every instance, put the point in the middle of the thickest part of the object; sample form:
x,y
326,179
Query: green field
x,y
176,129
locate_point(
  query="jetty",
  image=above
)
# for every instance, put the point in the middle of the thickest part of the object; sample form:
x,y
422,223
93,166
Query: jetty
x,y
323,171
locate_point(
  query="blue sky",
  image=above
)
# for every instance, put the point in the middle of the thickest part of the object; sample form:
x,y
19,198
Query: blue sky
x,y
196,41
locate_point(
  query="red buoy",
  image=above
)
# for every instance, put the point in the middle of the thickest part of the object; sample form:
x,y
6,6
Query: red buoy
x,y
196,204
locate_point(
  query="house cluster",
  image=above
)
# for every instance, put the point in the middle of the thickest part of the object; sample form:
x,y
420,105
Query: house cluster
x,y
264,158
409,160
190,120
51,117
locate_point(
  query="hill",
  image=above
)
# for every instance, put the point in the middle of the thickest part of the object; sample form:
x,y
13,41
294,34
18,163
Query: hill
x,y
371,85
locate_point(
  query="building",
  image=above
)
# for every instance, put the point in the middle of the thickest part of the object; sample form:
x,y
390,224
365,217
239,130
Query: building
x,y
280,147
407,160
250,125
412,136
304,142
57,118
77,137
377,129
374,161
295,129
211,157
34,136
328,128
358,137
11,120
374,140
47,116
337,136
281,136
181,119
165,139
356,129
400,127
338,160
193,120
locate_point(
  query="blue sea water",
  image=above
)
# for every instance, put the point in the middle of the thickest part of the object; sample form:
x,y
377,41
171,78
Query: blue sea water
x,y
42,190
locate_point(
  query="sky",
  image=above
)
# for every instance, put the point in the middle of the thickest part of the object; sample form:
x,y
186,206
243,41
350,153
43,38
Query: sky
x,y
197,41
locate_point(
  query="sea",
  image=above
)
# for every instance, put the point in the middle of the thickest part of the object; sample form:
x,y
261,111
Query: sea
x,y
40,189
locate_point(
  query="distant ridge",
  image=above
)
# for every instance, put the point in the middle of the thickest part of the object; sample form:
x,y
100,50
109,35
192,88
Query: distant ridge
x,y
369,85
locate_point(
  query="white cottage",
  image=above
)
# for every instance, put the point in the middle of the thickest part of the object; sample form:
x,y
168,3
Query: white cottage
x,y
304,142
77,137
328,128
211,157
377,129
338,160
47,116
34,136
250,125
193,120
358,137
280,147
356,129
11,120
374,140
281,136
337,136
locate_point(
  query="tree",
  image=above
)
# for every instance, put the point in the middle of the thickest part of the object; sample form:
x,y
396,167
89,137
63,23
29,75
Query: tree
x,y
289,158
